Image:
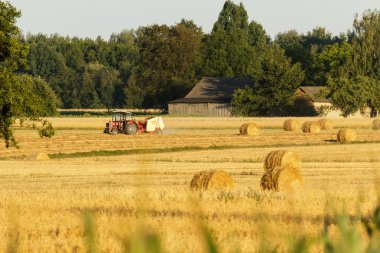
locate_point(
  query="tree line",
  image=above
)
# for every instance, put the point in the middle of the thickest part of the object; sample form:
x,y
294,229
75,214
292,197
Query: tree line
x,y
148,67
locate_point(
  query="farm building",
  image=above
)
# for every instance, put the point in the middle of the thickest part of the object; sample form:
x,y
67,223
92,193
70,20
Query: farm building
x,y
209,97
313,92
312,95
212,97
323,105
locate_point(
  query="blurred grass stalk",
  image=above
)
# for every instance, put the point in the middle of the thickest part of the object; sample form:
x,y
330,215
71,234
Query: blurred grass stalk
x,y
13,231
90,232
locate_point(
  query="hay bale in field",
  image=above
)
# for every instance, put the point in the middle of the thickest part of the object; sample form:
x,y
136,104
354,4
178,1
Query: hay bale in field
x,y
243,129
291,125
376,124
250,129
346,135
282,179
282,171
326,124
212,180
281,158
38,157
311,127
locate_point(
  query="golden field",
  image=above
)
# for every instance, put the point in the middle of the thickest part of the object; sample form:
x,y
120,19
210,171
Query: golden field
x,y
44,201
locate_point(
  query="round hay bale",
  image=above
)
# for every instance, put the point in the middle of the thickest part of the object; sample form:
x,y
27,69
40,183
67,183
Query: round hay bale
x,y
243,129
281,158
291,125
311,127
282,179
346,135
290,179
250,129
38,157
267,182
376,124
212,180
326,124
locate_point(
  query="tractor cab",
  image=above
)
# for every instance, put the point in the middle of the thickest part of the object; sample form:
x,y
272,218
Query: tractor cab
x,y
121,116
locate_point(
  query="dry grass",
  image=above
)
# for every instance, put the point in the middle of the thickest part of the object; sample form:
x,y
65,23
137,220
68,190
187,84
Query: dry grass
x,y
200,123
70,141
54,194
49,197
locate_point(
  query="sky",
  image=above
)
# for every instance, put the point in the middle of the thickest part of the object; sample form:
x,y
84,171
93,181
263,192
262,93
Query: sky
x,y
92,18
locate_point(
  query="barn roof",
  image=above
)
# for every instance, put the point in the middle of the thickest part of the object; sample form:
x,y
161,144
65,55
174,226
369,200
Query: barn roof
x,y
314,93
214,90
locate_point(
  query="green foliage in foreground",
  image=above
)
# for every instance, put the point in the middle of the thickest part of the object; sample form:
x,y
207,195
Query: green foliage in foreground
x,y
349,239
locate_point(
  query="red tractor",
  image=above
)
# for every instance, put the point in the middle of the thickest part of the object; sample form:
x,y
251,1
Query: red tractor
x,y
122,122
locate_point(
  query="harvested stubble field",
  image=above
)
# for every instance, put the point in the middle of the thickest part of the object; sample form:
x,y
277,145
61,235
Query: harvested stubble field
x,y
127,190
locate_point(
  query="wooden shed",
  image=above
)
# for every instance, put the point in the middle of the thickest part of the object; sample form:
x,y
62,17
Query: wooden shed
x,y
314,93
209,97
323,105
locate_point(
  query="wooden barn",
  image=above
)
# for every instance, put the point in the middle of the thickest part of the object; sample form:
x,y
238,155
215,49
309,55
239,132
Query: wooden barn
x,y
323,105
209,97
314,94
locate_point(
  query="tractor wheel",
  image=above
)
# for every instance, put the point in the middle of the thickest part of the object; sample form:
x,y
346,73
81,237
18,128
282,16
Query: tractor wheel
x,y
114,130
131,129
158,131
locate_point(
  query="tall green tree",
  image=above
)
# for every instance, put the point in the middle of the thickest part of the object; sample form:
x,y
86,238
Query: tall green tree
x,y
98,86
16,99
65,64
292,42
334,57
257,37
168,64
305,49
272,89
356,84
47,62
227,50
40,99
72,51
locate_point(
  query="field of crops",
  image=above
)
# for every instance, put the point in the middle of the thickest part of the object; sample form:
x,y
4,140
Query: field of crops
x,y
141,186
